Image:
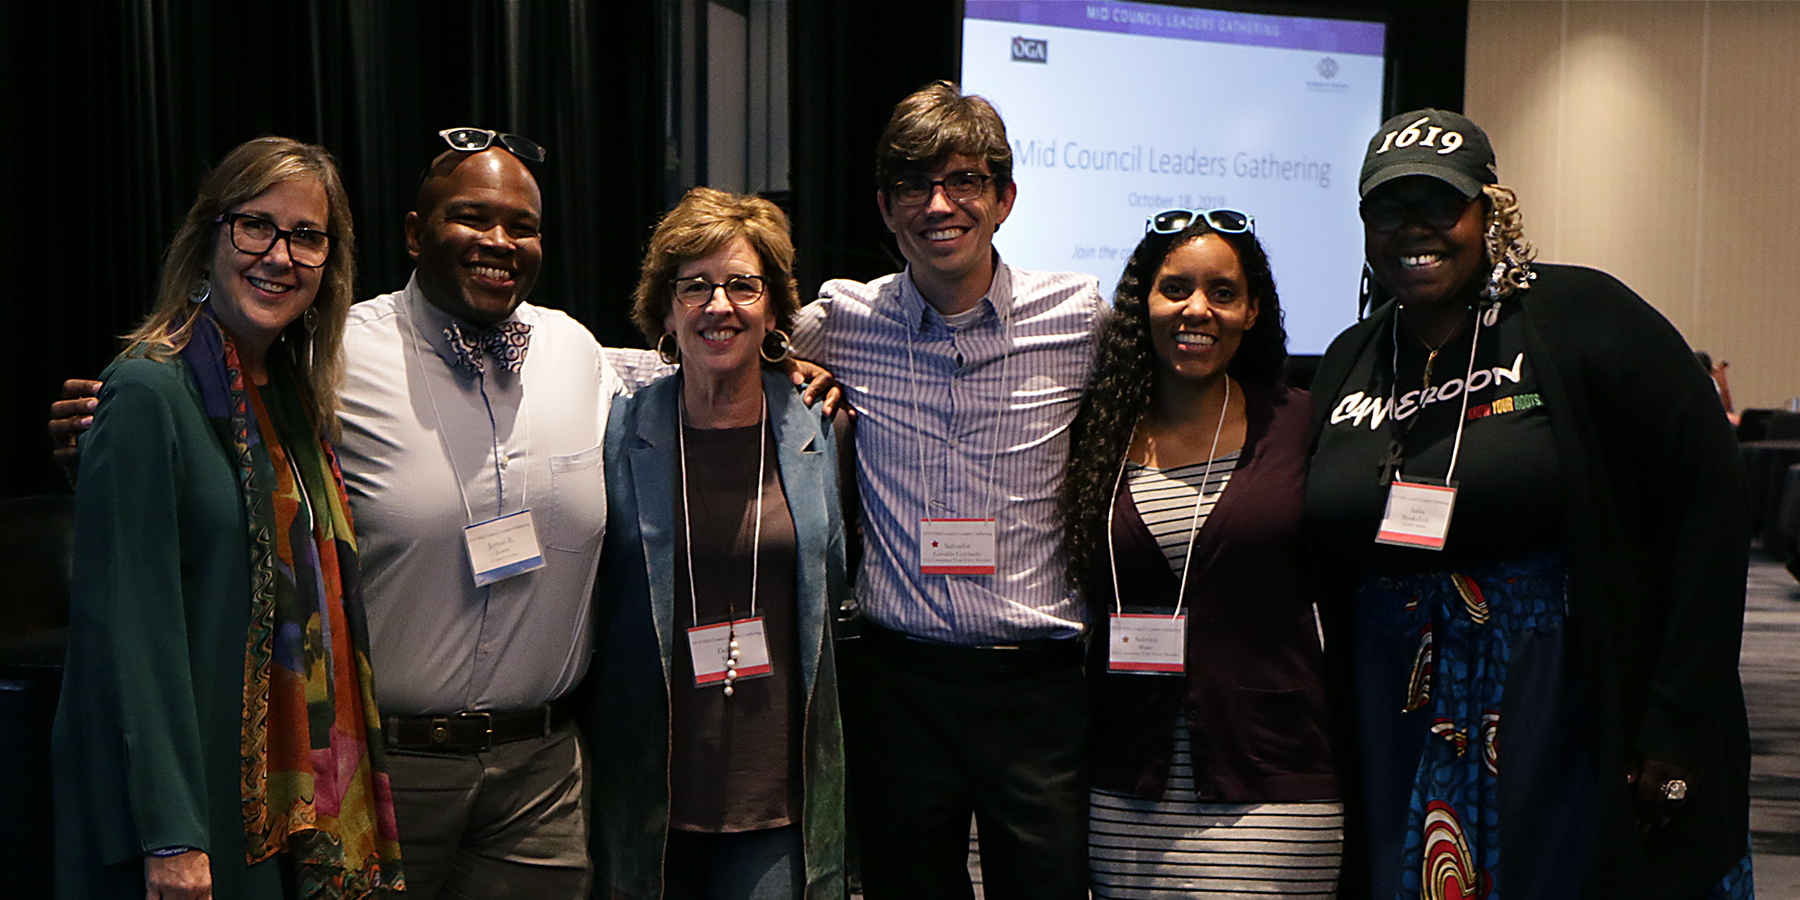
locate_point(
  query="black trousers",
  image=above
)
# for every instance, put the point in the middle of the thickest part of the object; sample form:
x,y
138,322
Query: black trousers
x,y
935,733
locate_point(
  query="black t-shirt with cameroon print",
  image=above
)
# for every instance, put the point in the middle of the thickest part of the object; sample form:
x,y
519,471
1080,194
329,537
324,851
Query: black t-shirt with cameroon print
x,y
1509,492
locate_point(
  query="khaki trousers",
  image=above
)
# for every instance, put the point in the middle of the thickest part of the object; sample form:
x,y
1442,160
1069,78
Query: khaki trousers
x,y
510,822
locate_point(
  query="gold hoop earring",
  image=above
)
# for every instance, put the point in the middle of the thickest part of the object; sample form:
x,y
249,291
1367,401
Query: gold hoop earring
x,y
781,342
669,353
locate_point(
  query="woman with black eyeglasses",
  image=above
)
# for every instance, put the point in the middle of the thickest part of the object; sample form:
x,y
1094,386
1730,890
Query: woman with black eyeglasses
x,y
217,734
1535,511
720,773
1181,511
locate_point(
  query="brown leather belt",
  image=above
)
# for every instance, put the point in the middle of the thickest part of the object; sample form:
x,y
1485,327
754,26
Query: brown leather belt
x,y
472,732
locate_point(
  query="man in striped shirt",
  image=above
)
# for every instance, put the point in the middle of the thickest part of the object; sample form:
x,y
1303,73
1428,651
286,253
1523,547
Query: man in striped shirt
x,y
967,695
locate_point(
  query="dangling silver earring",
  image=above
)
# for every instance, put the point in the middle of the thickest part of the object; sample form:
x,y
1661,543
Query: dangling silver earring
x,y
781,344
310,319
1496,278
201,290
666,350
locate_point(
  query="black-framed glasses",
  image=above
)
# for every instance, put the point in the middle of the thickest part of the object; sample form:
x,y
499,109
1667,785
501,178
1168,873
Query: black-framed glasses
x,y
1227,221
256,235
696,291
1439,211
475,140
957,186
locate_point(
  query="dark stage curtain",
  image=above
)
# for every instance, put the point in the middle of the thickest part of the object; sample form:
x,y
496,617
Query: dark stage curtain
x,y
114,109
851,63
118,107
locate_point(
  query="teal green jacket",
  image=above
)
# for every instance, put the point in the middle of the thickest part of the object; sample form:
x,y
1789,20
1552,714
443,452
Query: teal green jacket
x,y
626,715
147,734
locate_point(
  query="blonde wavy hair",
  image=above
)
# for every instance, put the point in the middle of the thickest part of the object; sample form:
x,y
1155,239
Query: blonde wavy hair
x,y
316,354
1508,251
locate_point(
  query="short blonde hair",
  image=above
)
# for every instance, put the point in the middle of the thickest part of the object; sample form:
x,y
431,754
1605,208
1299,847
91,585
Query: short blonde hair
x,y
246,172
705,220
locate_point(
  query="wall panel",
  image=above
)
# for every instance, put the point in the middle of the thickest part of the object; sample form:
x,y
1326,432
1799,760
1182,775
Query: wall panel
x,y
1656,141
1748,243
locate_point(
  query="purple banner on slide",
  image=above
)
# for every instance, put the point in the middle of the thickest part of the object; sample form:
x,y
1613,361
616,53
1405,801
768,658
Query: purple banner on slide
x,y
1210,25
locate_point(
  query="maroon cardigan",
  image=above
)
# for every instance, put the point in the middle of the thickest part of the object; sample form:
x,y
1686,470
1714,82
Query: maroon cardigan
x,y
1253,694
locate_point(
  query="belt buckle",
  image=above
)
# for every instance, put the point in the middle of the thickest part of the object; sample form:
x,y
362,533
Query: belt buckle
x,y
440,729
487,732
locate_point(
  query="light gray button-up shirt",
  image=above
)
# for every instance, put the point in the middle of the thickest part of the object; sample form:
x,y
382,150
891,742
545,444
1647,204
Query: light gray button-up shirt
x,y
429,448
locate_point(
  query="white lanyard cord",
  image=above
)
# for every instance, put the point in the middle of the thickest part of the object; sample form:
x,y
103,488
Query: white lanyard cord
x,y
1462,417
444,437
912,399
1112,555
687,533
1112,509
912,373
1200,498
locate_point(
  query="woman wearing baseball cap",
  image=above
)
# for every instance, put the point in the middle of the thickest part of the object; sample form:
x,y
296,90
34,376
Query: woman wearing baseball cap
x,y
1537,515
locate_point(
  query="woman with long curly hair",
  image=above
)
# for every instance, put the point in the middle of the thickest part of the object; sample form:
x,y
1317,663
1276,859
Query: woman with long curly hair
x,y
1537,514
1181,509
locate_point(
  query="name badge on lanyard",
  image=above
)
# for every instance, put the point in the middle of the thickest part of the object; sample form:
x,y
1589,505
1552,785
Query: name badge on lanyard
x,y
1417,515
956,546
502,548
710,647
1149,644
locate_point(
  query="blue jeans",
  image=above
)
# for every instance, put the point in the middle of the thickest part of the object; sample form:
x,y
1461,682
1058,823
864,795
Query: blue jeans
x,y
766,864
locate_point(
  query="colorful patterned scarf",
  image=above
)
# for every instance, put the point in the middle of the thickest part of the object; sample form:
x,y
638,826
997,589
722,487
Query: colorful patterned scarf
x,y
314,776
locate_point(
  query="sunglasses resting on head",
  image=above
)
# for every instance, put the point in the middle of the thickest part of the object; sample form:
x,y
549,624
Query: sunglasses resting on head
x,y
1226,221
475,140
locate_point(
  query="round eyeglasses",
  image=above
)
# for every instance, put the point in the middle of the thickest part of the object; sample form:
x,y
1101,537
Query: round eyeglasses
x,y
1227,221
696,291
958,186
256,235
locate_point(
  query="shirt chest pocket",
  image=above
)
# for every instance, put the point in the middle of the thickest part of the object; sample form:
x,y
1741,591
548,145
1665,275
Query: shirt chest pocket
x,y
577,501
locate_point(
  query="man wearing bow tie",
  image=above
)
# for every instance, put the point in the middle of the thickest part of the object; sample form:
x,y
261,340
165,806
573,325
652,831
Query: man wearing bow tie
x,y
472,427
472,418
472,424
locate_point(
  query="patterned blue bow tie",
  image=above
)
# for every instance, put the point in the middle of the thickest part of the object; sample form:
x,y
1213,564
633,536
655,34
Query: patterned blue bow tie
x,y
505,342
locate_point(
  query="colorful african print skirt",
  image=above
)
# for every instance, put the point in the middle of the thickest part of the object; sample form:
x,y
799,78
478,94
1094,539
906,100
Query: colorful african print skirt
x,y
1478,775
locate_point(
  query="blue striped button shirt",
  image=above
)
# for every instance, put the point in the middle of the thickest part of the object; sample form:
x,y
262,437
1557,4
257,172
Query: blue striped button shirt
x,y
961,422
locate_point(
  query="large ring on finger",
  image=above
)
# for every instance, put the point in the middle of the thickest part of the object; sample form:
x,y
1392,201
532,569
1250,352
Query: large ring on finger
x,y
1674,790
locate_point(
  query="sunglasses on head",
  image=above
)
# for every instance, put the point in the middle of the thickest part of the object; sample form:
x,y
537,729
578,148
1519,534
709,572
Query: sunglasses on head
x,y
1227,221
475,140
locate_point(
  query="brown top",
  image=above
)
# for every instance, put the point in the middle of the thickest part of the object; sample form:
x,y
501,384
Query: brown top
x,y
734,762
